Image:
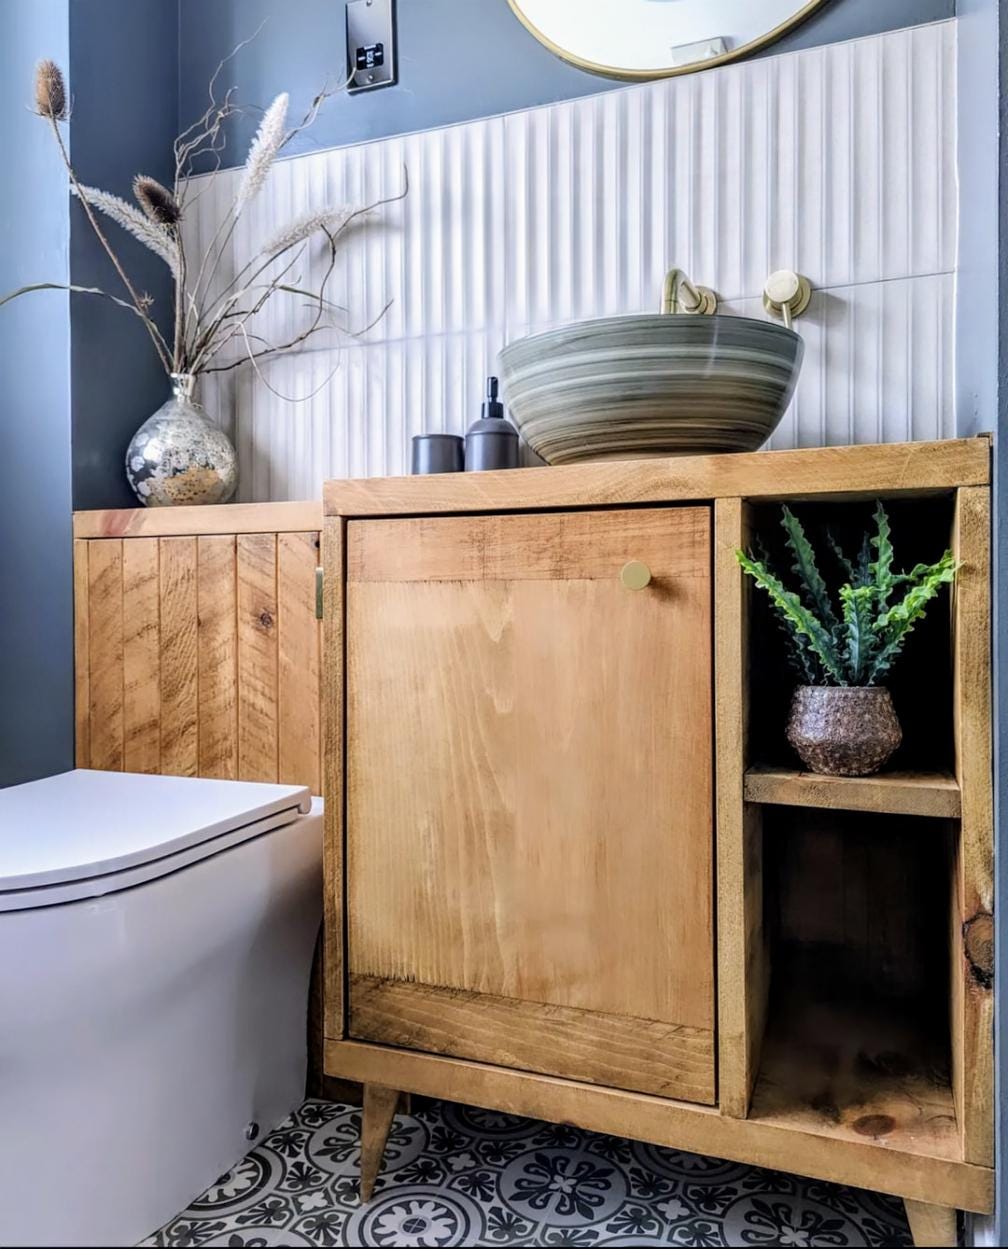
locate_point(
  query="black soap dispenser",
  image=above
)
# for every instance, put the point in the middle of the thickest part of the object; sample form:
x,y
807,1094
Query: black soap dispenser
x,y
492,441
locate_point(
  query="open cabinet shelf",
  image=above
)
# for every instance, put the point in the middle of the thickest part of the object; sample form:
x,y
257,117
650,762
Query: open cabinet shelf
x,y
859,908
896,793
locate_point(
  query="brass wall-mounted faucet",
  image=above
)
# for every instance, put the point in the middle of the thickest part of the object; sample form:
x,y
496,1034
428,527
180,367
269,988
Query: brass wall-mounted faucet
x,y
680,295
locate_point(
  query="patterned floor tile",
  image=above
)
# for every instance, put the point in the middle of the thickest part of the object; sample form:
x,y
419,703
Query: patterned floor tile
x,y
455,1175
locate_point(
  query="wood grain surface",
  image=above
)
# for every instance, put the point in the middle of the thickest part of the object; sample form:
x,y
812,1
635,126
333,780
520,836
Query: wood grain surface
x,y
199,655
218,655
933,794
528,762
141,593
333,755
743,948
671,1060
931,1225
179,737
167,522
933,1172
973,884
852,472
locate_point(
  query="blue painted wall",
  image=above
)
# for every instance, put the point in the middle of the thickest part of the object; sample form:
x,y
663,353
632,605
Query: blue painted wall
x,y
36,583
78,375
124,78
458,59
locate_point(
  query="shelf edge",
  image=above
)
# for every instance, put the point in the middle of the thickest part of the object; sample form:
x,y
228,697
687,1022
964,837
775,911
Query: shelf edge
x,y
935,795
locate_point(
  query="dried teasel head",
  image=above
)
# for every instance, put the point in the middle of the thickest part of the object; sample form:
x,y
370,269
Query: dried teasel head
x,y
50,91
156,200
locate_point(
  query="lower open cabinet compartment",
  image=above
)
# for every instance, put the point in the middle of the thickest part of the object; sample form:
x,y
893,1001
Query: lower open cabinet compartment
x,y
857,1042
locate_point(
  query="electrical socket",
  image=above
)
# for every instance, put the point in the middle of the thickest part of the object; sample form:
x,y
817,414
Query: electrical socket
x,y
371,44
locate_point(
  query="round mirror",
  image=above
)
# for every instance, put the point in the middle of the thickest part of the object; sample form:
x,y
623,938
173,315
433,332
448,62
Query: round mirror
x,y
657,38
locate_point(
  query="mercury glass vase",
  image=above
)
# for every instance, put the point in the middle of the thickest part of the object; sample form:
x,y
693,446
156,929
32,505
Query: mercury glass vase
x,y
179,456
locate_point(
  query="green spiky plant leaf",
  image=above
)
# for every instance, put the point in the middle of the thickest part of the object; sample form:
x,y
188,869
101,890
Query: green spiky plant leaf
x,y
893,625
856,642
799,654
858,574
882,565
813,587
797,616
860,636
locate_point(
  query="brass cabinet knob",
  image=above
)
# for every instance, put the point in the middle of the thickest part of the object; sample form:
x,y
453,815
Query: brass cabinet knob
x,y
635,575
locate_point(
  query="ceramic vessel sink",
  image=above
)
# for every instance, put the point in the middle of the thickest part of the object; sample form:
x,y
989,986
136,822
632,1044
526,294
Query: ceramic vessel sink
x,y
622,388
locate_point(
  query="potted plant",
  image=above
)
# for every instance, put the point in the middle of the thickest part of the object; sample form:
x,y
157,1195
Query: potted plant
x,y
178,455
842,721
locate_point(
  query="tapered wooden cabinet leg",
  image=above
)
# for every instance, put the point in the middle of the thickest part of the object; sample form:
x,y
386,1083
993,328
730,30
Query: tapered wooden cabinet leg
x,y
379,1110
931,1225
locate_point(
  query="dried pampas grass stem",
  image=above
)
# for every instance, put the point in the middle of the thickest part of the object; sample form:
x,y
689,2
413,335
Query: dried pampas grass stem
x,y
330,219
269,139
131,219
218,297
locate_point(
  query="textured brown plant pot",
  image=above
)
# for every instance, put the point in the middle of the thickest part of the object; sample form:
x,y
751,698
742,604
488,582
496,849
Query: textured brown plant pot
x,y
841,730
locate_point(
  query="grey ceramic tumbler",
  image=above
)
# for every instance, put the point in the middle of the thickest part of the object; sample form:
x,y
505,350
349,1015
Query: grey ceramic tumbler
x,y
438,453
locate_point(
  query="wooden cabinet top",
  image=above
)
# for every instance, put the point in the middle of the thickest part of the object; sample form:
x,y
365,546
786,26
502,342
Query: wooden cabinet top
x,y
174,522
860,471
865,471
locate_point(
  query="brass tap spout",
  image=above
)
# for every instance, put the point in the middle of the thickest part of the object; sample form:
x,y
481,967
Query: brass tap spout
x,y
680,295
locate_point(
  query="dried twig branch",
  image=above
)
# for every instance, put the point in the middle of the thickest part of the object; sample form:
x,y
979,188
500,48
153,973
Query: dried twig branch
x,y
205,325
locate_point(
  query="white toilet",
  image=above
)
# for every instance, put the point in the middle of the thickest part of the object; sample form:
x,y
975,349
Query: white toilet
x,y
156,940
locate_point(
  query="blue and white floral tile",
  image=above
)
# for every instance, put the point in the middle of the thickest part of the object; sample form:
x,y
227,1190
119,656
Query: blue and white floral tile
x,y
455,1175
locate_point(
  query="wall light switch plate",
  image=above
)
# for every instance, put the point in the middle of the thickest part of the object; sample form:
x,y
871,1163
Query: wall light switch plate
x,y
371,44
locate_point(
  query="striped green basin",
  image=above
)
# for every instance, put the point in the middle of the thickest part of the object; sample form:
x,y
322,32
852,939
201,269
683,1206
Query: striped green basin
x,y
625,387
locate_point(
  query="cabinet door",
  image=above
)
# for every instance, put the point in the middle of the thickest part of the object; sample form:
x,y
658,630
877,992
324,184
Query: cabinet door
x,y
529,807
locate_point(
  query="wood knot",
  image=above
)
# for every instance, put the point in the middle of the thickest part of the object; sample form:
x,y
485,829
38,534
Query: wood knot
x,y
266,620
978,945
874,1125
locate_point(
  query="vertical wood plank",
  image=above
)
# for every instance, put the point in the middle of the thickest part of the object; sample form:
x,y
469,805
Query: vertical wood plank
x,y
743,970
298,660
105,629
217,656
973,901
82,655
141,656
179,690
257,657
334,617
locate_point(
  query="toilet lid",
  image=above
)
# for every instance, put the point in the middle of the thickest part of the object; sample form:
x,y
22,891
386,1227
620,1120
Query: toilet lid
x,y
86,825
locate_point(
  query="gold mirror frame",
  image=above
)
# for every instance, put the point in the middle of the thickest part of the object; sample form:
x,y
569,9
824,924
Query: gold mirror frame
x,y
645,75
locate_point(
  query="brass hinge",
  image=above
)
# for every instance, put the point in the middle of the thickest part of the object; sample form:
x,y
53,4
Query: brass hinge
x,y
319,583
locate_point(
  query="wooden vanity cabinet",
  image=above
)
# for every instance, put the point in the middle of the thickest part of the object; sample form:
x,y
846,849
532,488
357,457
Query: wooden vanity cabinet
x,y
564,880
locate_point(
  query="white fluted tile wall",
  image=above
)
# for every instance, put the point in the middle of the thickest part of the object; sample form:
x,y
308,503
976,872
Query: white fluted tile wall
x,y
838,161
